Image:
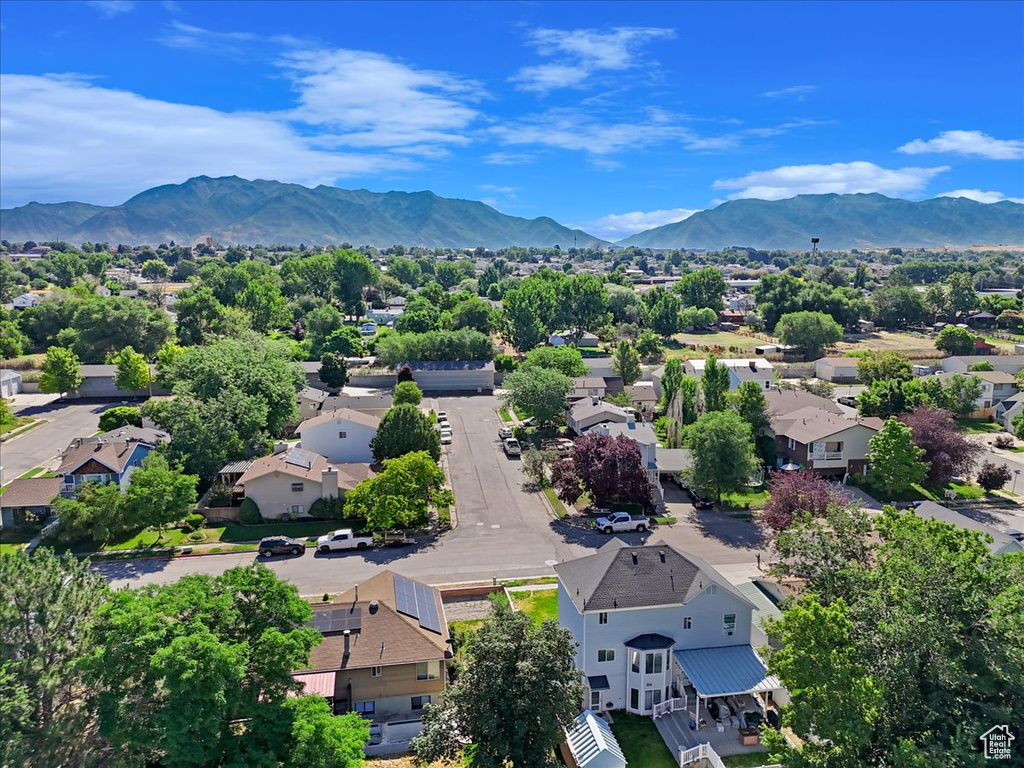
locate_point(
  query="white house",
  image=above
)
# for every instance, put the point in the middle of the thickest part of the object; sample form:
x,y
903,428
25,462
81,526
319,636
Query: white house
x,y
740,370
1006,363
659,629
996,386
342,436
10,383
836,369
643,435
587,413
26,300
1008,409
588,386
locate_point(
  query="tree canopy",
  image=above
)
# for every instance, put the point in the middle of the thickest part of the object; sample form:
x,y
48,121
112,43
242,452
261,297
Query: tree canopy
x,y
405,429
896,463
721,446
813,331
539,392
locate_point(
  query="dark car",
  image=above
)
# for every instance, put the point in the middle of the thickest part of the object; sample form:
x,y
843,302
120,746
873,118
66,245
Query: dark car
x,y
281,545
700,502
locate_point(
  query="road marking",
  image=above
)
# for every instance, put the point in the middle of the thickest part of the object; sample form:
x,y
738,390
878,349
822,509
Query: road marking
x,y
550,562
495,526
479,523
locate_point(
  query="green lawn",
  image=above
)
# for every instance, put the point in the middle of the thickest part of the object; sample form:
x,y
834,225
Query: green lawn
x,y
556,503
15,422
665,520
540,604
640,741
740,343
505,416
298,530
9,549
749,760
751,498
33,472
978,426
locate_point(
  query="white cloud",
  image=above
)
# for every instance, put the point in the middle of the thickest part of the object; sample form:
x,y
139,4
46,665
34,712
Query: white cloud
x,y
66,138
190,38
372,100
507,191
971,143
838,178
981,197
616,226
798,92
509,158
572,129
111,8
582,52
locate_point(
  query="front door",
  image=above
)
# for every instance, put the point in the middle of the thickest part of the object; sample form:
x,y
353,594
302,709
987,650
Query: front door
x,y
650,699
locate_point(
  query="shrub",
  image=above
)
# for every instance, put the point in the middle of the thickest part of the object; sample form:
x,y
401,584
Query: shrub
x,y
193,522
992,477
219,495
407,392
505,363
332,508
1004,442
249,513
121,416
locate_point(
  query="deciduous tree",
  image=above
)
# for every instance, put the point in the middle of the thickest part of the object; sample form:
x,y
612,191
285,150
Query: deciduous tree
x,y
883,366
527,672
813,331
405,429
703,289
401,495
626,362
407,392
955,341
132,372
60,372
540,392
158,494
714,385
947,450
896,463
566,359
721,446
321,739
992,477
333,370
611,470
793,494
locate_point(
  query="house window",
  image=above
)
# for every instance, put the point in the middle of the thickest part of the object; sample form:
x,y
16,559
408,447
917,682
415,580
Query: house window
x,y
602,618
376,671
592,392
834,447
651,698
595,699
365,707
634,663
428,670
791,443
297,487
729,623
418,702
634,698
297,509
653,664
342,435
767,384
606,654
687,622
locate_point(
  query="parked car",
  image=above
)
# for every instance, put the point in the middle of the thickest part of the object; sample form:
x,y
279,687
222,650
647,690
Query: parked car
x,y
696,498
597,511
446,438
504,433
622,521
376,736
848,401
512,447
281,545
343,538
442,415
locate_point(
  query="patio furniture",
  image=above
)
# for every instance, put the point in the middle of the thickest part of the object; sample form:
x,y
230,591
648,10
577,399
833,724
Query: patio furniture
x,y
749,737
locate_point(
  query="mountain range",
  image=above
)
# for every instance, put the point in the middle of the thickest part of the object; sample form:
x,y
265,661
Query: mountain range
x,y
232,210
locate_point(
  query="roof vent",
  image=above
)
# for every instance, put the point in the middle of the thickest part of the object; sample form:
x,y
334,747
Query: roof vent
x,y
661,555
635,559
753,365
373,606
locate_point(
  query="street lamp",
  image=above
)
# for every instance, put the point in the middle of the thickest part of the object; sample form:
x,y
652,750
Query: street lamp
x,y
1016,472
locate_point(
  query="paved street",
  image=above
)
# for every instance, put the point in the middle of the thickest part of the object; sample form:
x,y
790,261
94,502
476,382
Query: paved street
x,y
503,531
39,446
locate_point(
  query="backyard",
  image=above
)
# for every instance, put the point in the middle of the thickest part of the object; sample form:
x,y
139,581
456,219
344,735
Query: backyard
x,y
742,344
640,741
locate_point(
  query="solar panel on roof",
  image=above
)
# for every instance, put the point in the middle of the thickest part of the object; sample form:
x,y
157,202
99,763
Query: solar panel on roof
x,y
337,620
300,458
417,600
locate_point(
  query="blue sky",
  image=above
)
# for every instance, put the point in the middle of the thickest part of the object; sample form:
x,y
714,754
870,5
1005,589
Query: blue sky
x,y
614,117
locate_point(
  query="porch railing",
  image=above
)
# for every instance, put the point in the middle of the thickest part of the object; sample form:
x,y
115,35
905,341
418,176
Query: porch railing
x,y
669,705
50,528
698,753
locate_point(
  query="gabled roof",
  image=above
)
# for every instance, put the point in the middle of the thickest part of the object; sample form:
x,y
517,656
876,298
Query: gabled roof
x,y
929,509
809,424
620,576
642,432
150,435
313,393
586,408
385,636
113,454
838,362
783,401
639,393
589,737
448,365
311,468
342,414
589,382
993,377
30,492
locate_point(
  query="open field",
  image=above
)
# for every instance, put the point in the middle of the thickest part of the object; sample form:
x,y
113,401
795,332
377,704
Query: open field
x,y
729,344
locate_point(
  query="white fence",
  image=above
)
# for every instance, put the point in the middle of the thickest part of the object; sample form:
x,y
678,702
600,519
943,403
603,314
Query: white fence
x,y
669,705
698,753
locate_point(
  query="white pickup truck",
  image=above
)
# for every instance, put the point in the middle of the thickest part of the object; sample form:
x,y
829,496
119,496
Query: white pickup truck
x,y
343,538
511,447
622,521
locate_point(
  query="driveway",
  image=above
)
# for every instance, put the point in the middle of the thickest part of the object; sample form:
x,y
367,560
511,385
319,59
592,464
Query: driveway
x,y
503,530
38,447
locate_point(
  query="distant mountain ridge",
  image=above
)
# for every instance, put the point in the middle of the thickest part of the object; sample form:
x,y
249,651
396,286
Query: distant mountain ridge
x,y
842,222
232,210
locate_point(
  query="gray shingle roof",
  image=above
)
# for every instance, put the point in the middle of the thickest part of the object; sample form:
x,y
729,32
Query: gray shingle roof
x,y
929,509
620,576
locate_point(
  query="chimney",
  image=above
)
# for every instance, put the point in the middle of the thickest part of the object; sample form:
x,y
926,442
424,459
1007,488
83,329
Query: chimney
x,y
635,559
347,635
661,555
753,366
329,483
593,401
279,447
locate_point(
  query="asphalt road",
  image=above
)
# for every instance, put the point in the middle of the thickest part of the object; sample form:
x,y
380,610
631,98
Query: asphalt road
x,y
503,529
39,446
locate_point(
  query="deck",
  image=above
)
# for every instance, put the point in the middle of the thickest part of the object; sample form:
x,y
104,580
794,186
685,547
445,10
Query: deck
x,y
674,728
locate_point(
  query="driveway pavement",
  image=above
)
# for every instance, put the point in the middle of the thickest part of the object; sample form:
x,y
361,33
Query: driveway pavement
x,y
39,446
503,530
